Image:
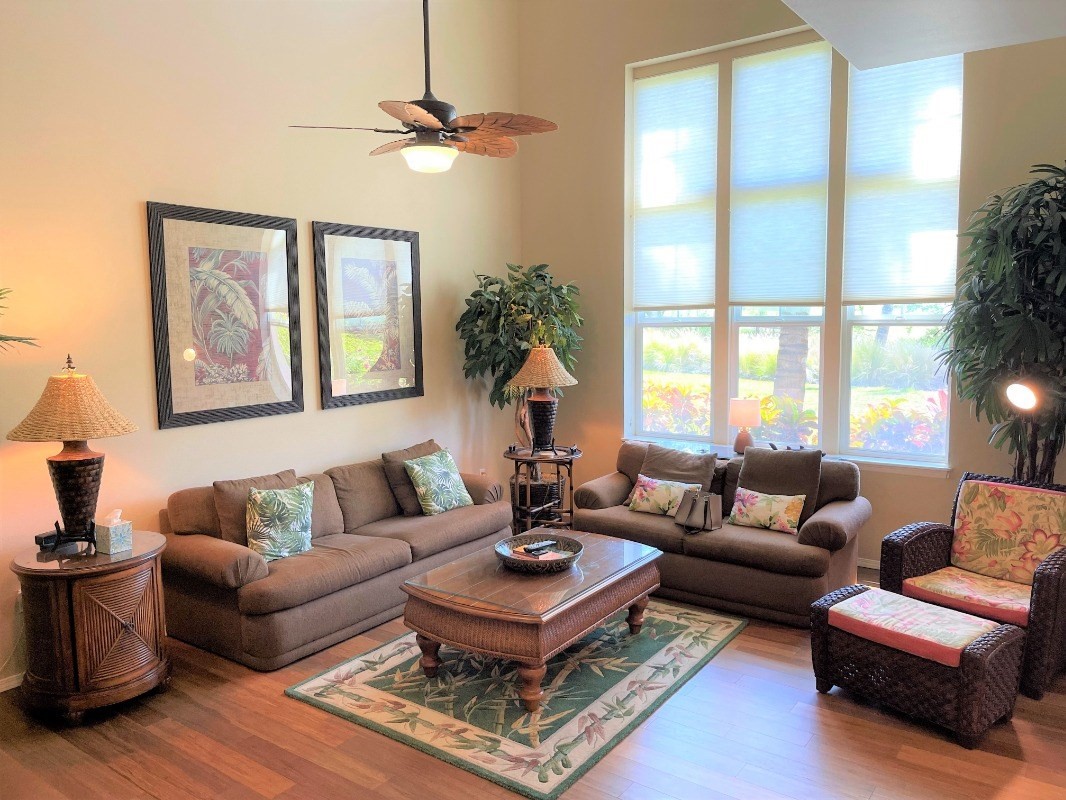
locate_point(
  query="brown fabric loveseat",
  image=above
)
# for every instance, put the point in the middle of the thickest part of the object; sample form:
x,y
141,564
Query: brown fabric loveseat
x,y
225,598
749,571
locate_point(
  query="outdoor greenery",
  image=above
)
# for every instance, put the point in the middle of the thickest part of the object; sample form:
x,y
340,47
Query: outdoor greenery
x,y
506,317
6,340
1008,320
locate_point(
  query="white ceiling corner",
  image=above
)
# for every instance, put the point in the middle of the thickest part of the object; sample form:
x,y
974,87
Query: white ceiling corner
x,y
876,33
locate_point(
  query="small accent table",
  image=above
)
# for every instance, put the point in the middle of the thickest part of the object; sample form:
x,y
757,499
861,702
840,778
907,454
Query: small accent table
x,y
540,482
95,628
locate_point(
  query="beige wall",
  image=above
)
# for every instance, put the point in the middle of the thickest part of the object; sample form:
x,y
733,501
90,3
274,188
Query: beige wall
x,y
109,104
573,71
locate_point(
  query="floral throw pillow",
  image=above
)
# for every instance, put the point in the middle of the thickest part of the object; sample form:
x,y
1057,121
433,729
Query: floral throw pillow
x,y
1005,531
778,512
279,520
437,482
653,496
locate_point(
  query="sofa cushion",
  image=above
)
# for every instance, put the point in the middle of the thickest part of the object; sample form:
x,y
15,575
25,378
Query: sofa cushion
x,y
631,458
650,529
667,464
333,563
429,535
729,483
902,623
437,483
193,511
279,520
363,494
757,547
231,501
777,512
655,496
396,473
839,481
326,517
992,598
783,472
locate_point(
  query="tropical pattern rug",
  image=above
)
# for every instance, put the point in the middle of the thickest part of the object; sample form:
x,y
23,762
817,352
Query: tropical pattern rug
x,y
595,693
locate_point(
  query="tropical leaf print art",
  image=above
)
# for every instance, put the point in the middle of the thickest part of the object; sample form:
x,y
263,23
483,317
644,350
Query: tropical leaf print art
x,y
371,317
227,306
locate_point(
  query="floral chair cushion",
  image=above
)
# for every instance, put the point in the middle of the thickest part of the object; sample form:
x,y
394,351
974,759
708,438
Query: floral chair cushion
x,y
778,512
993,598
654,496
1005,531
903,623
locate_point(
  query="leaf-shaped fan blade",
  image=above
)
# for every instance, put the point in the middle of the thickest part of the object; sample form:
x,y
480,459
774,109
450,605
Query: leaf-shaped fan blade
x,y
501,147
399,144
410,114
500,123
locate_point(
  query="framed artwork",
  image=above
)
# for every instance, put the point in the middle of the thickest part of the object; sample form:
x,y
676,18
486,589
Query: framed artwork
x,y
226,315
369,314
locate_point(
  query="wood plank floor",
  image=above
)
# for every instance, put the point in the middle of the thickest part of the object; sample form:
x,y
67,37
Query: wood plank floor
x,y
749,726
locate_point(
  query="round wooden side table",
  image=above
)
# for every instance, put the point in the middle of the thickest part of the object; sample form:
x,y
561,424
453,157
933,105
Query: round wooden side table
x,y
542,489
95,630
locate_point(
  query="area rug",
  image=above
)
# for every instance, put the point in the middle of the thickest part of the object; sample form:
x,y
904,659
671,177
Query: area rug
x,y
595,693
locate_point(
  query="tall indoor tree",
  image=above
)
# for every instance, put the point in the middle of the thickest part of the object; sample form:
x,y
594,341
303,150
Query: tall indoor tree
x,y
1008,320
505,318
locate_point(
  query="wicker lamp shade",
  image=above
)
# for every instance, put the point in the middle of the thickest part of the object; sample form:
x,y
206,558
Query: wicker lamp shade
x,y
72,410
542,370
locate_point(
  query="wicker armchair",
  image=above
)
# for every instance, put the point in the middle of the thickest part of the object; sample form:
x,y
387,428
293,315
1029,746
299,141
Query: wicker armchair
x,y
925,547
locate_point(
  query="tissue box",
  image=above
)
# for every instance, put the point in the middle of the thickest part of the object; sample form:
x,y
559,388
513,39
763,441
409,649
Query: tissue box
x,y
114,538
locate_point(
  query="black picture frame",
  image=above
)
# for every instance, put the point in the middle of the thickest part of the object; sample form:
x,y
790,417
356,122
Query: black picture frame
x,y
264,398
408,310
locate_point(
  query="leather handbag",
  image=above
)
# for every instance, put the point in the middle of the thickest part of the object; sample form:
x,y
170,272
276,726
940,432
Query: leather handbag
x,y
699,511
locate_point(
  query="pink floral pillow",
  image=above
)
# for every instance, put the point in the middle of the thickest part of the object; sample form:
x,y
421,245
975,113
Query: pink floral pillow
x,y
654,496
778,512
1005,531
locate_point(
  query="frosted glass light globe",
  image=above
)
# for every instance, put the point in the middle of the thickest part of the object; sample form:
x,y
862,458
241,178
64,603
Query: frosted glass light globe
x,y
1022,396
429,157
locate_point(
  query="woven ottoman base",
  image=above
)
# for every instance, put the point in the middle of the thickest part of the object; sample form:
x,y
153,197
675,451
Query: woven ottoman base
x,y
967,699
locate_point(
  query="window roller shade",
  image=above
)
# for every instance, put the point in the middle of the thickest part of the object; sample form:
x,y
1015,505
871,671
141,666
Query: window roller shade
x,y
675,143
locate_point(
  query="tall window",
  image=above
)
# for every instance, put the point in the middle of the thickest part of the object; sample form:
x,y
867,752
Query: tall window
x,y
739,253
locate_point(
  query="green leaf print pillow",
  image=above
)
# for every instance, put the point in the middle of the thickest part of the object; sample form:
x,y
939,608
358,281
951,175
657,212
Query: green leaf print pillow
x,y
438,486
279,520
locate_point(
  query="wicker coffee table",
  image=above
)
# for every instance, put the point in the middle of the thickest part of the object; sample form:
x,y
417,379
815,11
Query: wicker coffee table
x,y
478,604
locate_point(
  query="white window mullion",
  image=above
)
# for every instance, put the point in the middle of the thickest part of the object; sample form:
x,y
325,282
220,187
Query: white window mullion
x,y
721,389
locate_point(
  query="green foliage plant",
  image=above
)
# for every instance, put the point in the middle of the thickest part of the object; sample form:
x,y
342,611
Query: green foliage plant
x,y
506,317
7,341
1008,320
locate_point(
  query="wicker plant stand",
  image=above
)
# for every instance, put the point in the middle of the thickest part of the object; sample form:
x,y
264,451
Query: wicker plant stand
x,y
967,699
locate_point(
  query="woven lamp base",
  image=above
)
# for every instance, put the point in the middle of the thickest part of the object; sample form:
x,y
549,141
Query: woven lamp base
x,y
76,472
542,415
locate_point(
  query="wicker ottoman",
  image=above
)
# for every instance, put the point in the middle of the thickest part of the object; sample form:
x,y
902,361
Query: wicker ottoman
x,y
934,663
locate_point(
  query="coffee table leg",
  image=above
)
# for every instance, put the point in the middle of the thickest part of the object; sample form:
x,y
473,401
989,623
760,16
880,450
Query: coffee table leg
x,y
636,615
530,691
430,659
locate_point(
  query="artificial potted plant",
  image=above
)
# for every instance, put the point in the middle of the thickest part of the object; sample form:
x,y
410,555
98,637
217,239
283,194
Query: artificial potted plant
x,y
7,340
1008,320
504,319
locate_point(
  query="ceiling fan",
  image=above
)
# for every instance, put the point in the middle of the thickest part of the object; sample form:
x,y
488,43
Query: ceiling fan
x,y
440,134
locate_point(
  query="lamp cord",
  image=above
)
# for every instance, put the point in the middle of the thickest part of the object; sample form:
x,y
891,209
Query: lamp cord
x,y
14,650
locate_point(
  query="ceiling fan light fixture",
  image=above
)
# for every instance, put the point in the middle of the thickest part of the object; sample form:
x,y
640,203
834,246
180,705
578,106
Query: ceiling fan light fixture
x,y
429,157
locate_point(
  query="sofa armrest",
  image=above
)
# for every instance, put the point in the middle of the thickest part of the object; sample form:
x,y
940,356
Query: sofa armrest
x,y
215,561
482,489
836,523
914,550
603,492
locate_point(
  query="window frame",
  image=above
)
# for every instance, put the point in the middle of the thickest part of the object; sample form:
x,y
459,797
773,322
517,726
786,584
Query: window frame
x,y
835,323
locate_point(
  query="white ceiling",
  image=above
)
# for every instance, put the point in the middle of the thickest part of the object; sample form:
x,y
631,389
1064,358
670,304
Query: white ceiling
x,y
875,33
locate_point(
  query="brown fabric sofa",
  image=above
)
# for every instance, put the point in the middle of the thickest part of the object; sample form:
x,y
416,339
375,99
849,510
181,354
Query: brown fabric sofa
x,y
749,571
225,598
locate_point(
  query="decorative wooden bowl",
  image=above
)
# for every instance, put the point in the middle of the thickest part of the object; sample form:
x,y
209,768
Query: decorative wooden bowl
x,y
569,548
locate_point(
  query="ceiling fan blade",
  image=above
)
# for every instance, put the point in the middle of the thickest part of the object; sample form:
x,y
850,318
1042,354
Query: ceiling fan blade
x,y
501,147
348,128
410,114
500,123
399,144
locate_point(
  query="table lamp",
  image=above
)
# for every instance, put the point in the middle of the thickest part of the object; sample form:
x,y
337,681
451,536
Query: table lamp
x,y
542,372
72,410
744,413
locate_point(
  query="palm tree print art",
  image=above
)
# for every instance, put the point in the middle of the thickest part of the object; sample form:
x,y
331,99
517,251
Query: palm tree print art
x,y
226,313
371,316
